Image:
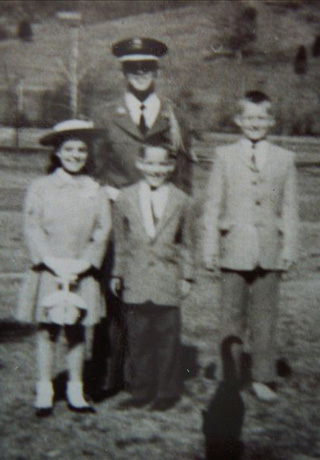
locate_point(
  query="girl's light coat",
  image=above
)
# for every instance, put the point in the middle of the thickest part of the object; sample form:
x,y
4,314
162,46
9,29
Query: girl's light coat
x,y
64,217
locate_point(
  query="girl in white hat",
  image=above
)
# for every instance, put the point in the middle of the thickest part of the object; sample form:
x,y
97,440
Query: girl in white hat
x,y
67,224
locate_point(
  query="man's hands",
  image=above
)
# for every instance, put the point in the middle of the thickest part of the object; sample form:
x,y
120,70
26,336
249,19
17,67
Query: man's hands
x,y
211,262
116,286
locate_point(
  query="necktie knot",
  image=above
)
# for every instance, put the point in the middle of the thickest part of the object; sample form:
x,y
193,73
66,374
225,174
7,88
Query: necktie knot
x,y
142,107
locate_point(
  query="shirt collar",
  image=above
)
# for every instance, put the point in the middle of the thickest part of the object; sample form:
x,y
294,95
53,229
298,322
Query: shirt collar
x,y
132,101
76,181
159,191
260,146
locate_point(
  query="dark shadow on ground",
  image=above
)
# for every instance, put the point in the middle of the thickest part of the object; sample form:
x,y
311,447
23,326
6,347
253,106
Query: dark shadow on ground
x,y
224,416
282,366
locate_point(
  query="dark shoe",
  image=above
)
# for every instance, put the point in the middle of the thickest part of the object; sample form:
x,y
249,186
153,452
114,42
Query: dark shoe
x,y
134,403
100,394
163,404
44,411
82,409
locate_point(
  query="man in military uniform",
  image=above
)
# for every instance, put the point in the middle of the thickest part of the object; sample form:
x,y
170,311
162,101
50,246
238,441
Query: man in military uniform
x,y
140,117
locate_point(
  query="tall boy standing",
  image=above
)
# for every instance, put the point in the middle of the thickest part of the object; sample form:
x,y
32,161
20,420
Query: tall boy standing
x,y
153,266
250,233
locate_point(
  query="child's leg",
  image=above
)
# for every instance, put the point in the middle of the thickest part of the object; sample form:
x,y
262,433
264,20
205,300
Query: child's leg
x,y
46,340
263,323
141,350
76,350
167,341
235,287
75,361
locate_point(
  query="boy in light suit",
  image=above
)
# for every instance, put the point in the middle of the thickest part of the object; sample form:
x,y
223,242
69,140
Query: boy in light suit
x,y
250,233
153,268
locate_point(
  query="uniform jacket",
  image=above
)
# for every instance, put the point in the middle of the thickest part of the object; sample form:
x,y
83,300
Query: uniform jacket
x,y
151,267
250,216
117,153
69,219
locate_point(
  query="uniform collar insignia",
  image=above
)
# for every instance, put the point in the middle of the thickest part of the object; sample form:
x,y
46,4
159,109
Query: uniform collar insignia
x,y
120,110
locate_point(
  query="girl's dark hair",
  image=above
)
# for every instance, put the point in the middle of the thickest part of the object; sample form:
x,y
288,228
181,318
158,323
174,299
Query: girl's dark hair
x,y
54,160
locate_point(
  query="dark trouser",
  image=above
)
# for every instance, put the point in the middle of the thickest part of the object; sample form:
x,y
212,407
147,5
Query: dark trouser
x,y
109,347
250,301
153,350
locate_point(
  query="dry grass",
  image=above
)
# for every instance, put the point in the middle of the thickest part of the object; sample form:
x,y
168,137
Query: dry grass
x,y
287,430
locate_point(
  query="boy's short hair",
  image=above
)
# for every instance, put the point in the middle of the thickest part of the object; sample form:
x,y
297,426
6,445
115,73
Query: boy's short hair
x,y
167,147
255,97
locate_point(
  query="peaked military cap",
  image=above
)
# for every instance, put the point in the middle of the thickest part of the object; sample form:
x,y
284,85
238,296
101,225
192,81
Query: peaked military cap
x,y
139,49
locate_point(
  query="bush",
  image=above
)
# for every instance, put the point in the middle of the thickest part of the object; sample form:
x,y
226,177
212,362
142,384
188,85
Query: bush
x,y
301,61
316,47
25,31
55,106
4,34
244,29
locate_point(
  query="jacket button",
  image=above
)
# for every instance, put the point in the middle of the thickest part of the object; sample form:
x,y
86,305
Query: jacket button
x,y
258,202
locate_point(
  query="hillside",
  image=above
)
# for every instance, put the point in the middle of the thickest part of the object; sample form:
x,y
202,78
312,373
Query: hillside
x,y
203,83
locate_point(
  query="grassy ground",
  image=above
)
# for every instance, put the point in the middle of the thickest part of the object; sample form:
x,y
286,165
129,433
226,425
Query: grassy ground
x,y
286,430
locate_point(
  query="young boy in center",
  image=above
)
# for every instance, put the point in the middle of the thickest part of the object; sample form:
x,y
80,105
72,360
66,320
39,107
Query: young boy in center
x,y
250,233
153,269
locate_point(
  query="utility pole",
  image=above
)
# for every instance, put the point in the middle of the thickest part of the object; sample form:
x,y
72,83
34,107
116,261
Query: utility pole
x,y
73,19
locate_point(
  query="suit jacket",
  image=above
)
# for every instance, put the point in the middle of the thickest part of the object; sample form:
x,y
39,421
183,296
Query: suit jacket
x,y
68,219
250,216
151,267
117,153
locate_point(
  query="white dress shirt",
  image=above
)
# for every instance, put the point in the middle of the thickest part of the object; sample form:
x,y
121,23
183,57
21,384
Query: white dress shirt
x,y
151,108
153,203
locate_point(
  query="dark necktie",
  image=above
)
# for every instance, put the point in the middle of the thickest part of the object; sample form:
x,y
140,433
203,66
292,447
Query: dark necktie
x,y
154,217
142,124
253,155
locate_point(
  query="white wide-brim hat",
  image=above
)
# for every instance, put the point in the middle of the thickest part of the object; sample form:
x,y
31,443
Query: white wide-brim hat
x,y
83,129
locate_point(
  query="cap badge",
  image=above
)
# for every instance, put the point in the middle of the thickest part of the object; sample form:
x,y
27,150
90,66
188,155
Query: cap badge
x,y
137,43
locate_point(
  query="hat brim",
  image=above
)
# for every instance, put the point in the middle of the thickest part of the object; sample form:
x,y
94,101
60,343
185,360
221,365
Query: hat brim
x,y
56,137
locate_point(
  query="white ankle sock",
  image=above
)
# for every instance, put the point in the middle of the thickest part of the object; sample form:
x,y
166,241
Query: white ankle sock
x,y
75,394
44,398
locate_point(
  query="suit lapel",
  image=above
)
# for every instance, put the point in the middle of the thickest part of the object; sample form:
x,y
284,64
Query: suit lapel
x,y
161,123
169,210
146,213
136,208
245,158
123,120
